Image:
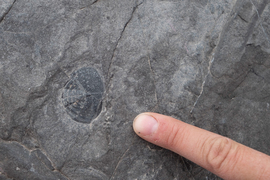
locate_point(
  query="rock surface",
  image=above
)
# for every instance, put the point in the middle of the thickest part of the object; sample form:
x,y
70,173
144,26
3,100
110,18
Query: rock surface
x,y
204,62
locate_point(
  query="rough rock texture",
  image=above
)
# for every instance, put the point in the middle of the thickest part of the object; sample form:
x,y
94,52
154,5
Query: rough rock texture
x,y
206,62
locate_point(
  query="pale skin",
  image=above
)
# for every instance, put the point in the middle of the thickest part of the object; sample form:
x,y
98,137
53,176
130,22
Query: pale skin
x,y
220,155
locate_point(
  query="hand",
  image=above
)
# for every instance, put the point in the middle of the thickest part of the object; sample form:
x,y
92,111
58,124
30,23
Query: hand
x,y
220,155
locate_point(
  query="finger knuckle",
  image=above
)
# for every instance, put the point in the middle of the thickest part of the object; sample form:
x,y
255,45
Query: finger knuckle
x,y
174,137
219,153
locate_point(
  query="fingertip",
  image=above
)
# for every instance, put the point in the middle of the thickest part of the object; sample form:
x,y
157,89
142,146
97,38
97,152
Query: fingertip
x,y
145,124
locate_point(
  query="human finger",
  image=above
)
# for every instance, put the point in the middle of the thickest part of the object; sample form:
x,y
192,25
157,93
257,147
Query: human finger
x,y
220,155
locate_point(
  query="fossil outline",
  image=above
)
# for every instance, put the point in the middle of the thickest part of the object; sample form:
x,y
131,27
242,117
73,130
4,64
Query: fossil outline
x,y
82,95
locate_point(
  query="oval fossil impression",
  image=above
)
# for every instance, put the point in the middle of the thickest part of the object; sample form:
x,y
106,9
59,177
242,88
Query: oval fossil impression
x,y
82,95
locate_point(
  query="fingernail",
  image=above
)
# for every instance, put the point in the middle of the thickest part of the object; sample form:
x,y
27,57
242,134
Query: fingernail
x,y
145,124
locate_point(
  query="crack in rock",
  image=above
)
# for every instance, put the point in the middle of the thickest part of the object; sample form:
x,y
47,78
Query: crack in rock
x,y
259,18
121,35
6,13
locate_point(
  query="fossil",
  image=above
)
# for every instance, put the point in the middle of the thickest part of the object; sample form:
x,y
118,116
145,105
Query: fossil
x,y
82,95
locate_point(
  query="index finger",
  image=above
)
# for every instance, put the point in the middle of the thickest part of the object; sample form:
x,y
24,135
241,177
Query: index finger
x,y
220,155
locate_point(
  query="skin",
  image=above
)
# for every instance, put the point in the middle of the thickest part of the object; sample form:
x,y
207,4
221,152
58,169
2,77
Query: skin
x,y
220,155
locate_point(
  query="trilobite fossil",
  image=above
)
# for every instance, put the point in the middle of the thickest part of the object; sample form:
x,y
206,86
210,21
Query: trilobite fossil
x,y
82,95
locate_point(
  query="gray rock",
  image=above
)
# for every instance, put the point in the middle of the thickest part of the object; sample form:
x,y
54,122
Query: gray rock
x,y
17,162
204,62
5,7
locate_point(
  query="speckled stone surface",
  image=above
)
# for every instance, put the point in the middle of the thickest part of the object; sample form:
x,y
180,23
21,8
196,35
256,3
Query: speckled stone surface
x,y
204,62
